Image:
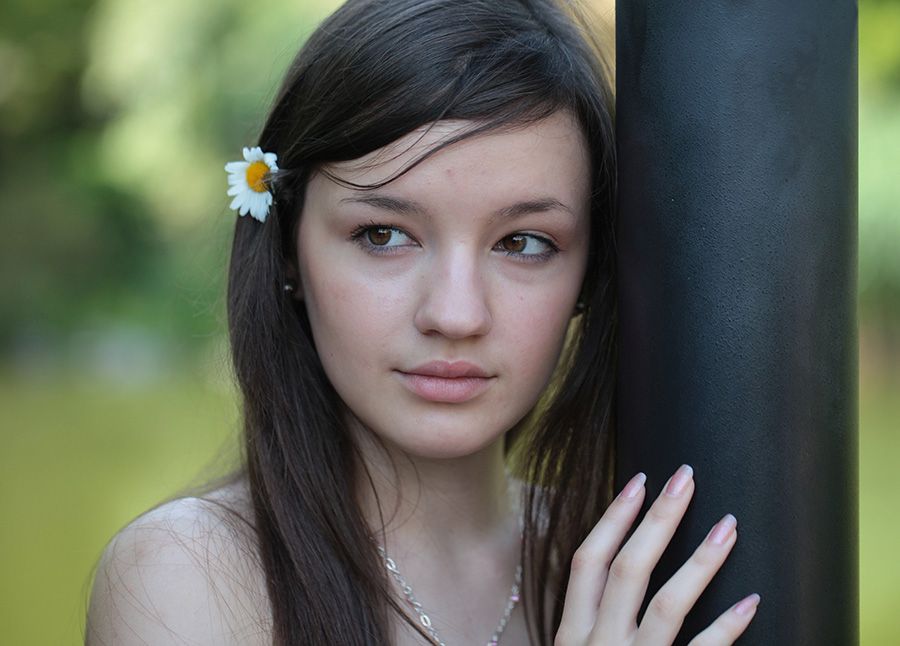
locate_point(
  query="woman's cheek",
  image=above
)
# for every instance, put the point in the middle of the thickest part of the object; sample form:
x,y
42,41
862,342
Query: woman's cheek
x,y
355,316
542,334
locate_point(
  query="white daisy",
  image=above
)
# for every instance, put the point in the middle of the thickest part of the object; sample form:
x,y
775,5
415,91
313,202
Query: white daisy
x,y
247,182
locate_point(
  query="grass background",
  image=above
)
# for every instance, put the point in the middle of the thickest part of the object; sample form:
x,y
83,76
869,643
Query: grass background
x,y
89,456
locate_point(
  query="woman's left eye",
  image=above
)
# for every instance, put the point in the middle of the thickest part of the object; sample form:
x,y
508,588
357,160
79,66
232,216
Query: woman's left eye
x,y
528,246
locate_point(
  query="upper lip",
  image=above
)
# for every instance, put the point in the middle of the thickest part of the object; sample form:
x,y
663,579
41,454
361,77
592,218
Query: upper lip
x,y
448,369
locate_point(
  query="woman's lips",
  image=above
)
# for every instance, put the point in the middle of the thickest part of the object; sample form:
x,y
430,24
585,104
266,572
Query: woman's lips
x,y
445,389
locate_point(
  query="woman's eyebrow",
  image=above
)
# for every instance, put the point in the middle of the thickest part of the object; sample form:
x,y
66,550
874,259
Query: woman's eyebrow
x,y
410,207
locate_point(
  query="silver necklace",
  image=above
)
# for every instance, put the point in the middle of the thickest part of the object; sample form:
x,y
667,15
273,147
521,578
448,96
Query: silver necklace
x,y
426,621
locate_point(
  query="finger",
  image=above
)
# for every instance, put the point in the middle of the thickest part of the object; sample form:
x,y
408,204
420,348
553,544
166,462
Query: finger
x,y
591,561
671,603
730,625
629,572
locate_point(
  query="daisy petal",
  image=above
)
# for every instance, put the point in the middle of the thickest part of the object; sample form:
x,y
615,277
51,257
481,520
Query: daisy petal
x,y
262,204
258,214
255,202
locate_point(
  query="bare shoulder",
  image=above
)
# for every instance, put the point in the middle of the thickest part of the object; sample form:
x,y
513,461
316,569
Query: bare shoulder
x,y
185,572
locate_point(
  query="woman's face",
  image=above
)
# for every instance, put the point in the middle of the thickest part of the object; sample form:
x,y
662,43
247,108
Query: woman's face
x,y
475,255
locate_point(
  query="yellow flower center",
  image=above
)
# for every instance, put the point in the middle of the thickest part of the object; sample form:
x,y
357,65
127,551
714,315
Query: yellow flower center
x,y
256,176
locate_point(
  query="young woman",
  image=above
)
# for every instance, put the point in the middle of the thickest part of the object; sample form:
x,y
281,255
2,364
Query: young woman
x,y
422,317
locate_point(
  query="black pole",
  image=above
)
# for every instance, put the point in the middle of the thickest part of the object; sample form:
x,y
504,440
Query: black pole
x,y
737,148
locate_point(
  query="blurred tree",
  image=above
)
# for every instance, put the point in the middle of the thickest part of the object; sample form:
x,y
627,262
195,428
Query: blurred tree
x,y
116,117
67,232
879,195
879,47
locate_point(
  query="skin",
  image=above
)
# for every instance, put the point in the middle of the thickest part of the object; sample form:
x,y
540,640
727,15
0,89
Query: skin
x,y
445,287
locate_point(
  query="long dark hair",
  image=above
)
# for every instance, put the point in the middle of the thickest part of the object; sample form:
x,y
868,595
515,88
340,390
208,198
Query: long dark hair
x,y
372,72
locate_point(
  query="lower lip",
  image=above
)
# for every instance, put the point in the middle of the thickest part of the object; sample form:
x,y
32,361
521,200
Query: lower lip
x,y
442,389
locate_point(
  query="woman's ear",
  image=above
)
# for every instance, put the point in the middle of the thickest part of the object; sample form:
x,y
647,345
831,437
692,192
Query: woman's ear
x,y
292,285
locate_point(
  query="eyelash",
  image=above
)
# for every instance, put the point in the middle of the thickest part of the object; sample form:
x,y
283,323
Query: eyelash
x,y
358,236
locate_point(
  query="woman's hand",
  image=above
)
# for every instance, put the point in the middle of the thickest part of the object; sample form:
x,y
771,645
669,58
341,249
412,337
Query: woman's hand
x,y
606,589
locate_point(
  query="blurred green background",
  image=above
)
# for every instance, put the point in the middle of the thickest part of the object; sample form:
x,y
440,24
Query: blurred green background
x,y
116,117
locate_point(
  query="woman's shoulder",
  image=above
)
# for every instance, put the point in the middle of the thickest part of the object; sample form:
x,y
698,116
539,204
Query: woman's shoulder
x,y
187,570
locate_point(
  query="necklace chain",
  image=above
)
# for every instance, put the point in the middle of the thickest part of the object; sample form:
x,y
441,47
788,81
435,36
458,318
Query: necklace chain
x,y
425,620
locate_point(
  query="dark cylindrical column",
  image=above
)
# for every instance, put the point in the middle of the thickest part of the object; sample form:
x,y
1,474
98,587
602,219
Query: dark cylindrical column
x,y
737,148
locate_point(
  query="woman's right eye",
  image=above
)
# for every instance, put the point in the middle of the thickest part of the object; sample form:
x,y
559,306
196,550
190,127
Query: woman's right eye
x,y
376,238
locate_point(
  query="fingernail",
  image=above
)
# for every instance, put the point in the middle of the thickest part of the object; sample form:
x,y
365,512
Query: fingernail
x,y
744,606
722,530
634,486
678,482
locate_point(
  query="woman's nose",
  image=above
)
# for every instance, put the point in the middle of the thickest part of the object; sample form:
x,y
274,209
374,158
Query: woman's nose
x,y
454,300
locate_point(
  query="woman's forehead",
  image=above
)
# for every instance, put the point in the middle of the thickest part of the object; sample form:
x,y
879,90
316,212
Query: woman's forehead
x,y
532,151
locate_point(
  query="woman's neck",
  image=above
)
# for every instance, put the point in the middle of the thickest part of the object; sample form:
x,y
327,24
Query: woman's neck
x,y
453,510
455,538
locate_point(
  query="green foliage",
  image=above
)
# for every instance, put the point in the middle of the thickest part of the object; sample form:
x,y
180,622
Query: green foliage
x,y
879,47
116,119
879,213
879,161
